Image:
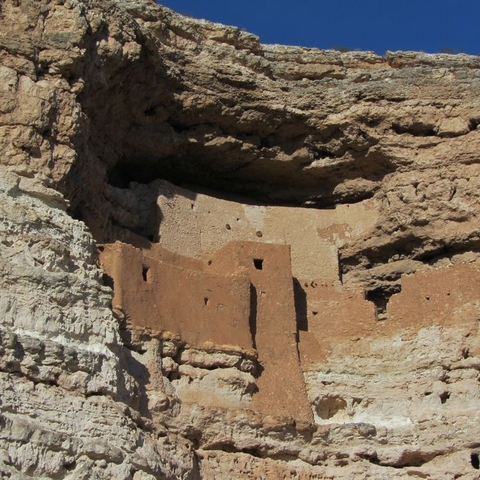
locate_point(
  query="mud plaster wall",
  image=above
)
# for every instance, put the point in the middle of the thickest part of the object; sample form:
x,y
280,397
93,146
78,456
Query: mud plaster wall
x,y
245,294
242,298
195,225
281,386
199,306
445,297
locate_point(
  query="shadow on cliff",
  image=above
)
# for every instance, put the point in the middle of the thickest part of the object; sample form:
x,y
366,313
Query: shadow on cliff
x,y
124,135
301,311
139,372
133,370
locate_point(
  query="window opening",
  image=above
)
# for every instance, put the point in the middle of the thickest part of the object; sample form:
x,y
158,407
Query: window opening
x,y
258,263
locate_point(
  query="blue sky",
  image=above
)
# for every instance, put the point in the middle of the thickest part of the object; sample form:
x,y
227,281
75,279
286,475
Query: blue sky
x,y
425,25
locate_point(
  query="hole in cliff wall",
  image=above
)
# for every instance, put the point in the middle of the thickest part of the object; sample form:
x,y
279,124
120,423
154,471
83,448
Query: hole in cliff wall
x,y
70,465
416,129
258,263
475,461
77,212
380,297
371,457
138,170
150,112
473,123
444,397
194,435
230,447
108,281
328,407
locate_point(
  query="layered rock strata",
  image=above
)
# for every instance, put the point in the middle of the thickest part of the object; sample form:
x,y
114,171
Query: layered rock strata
x,y
289,243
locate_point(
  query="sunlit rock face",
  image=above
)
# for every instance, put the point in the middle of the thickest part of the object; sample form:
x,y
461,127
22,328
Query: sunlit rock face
x,y
222,259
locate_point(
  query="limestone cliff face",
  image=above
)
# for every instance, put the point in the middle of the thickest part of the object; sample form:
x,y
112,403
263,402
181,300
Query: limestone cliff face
x,y
221,259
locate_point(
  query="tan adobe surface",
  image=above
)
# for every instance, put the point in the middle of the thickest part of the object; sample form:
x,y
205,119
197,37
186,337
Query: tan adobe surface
x,y
197,225
242,297
244,294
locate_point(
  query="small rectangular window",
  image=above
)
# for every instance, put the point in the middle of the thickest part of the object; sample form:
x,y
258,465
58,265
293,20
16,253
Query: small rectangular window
x,y
258,263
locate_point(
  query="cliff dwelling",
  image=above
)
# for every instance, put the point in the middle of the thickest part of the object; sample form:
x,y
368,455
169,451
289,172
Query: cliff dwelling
x,y
227,260
265,281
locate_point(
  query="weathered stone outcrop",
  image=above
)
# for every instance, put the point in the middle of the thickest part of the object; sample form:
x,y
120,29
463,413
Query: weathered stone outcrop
x,y
222,259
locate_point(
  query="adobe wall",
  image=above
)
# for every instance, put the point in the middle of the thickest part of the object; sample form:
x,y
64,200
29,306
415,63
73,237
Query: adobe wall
x,y
244,296
199,306
291,308
333,314
281,386
197,225
446,297
241,297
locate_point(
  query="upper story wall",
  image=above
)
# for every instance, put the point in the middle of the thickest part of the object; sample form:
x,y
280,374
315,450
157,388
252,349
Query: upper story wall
x,y
200,307
197,225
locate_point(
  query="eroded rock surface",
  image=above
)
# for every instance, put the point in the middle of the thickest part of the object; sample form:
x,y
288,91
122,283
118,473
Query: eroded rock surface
x,y
187,151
